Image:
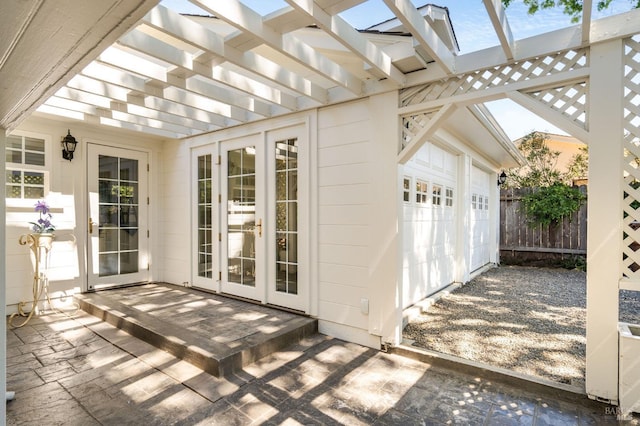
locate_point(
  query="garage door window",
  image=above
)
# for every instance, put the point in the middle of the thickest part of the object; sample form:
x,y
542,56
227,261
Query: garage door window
x,y
406,189
436,197
448,197
422,194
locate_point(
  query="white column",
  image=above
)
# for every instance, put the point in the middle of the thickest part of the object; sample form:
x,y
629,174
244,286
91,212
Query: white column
x,y
604,253
494,218
463,219
3,277
385,312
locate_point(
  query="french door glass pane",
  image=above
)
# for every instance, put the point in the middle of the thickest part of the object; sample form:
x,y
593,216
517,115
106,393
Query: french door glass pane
x,y
241,177
118,222
286,216
205,225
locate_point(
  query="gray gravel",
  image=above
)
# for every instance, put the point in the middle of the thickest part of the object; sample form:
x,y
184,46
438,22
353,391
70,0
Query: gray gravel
x,y
529,320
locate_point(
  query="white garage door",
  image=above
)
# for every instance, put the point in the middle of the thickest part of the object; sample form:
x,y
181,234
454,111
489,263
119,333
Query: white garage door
x,y
429,237
480,223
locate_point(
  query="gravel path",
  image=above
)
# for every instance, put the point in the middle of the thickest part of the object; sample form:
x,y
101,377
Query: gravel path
x,y
529,320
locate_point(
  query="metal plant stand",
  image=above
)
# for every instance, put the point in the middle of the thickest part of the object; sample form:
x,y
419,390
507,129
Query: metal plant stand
x,y
40,245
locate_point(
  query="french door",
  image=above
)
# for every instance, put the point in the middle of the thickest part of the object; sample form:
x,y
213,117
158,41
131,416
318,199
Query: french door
x,y
117,216
243,212
249,218
206,244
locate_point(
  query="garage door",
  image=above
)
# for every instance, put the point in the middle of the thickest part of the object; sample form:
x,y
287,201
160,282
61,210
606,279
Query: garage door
x,y
480,223
429,240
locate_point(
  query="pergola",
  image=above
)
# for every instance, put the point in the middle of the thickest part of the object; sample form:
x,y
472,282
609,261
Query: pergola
x,y
128,64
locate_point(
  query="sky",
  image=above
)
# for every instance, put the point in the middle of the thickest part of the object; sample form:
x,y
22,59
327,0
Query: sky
x,y
473,31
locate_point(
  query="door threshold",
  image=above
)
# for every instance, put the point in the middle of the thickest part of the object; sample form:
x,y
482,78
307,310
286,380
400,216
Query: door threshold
x,y
106,287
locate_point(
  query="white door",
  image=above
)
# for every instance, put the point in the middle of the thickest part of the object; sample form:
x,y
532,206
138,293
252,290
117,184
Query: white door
x,y
242,218
205,205
263,230
117,216
480,223
287,213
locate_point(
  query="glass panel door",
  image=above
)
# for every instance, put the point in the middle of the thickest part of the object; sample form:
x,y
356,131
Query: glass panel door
x,y
205,262
242,236
286,212
288,206
241,216
117,216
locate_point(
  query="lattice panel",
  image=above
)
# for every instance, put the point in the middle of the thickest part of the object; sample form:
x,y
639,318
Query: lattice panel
x,y
497,76
569,100
412,124
631,195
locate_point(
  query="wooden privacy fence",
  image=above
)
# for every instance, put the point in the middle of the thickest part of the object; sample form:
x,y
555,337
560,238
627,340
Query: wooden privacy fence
x,y
517,235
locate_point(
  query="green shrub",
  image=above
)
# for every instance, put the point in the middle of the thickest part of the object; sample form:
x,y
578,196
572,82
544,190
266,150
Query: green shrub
x,y
550,204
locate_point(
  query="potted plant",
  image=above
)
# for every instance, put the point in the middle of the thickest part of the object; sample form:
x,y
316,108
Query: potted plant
x,y
42,229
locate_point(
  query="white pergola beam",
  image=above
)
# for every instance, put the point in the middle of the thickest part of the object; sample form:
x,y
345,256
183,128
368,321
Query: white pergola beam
x,y
188,31
587,7
140,91
423,33
498,18
550,115
246,19
345,34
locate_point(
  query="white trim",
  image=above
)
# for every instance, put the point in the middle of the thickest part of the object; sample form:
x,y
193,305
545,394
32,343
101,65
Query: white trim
x,y
3,281
350,334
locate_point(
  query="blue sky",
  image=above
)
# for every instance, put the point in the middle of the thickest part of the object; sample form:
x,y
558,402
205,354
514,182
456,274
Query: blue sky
x,y
473,31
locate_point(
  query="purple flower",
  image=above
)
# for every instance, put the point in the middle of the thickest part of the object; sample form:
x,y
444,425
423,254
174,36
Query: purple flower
x,y
44,223
42,207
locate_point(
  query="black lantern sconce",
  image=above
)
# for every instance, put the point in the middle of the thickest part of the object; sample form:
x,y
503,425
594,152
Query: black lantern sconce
x,y
502,178
68,146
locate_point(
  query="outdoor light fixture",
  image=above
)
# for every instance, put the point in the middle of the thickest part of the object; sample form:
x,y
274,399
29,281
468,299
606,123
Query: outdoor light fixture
x,y
68,146
502,178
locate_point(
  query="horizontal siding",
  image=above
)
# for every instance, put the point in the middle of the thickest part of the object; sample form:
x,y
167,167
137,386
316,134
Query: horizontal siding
x,y
348,275
344,194
345,172
344,235
342,313
349,174
352,153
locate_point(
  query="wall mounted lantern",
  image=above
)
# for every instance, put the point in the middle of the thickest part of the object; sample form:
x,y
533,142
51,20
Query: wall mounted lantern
x,y
68,146
502,178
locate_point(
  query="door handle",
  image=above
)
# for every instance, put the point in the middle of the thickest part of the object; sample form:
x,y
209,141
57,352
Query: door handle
x,y
259,227
90,226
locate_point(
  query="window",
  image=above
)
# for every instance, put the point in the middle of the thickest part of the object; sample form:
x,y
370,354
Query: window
x,y
422,194
474,201
486,202
448,197
480,202
406,189
26,175
436,197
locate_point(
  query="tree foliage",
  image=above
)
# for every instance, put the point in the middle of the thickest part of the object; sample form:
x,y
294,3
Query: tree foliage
x,y
540,169
573,8
550,204
553,196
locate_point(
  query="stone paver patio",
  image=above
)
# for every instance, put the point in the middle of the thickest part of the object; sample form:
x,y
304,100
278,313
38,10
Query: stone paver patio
x,y
82,371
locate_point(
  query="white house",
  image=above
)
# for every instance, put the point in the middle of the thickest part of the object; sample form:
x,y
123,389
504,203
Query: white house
x,y
292,160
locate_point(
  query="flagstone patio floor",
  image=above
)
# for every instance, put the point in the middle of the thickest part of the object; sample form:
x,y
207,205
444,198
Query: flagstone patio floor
x,y
80,370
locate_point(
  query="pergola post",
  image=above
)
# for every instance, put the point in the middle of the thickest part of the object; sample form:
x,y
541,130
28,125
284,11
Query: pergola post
x,y
604,244
3,277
